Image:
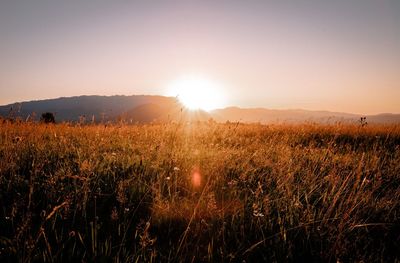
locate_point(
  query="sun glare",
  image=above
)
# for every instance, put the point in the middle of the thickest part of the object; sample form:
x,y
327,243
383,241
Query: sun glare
x,y
197,93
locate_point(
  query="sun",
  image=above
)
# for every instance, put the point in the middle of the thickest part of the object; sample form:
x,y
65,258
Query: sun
x,y
197,92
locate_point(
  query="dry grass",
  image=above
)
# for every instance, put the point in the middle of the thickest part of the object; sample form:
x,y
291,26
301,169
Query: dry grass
x,y
199,192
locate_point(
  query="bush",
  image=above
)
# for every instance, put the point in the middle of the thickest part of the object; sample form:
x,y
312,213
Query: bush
x,y
48,117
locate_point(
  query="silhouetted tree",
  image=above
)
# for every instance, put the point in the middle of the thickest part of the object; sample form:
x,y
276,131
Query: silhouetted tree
x,y
48,117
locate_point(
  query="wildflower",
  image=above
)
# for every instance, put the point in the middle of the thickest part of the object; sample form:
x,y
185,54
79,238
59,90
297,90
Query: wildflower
x,y
258,214
256,211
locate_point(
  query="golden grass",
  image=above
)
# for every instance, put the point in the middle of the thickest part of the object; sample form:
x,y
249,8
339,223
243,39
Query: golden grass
x,y
199,192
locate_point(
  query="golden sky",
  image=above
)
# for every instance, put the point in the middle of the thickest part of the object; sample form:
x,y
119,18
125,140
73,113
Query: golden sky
x,y
319,55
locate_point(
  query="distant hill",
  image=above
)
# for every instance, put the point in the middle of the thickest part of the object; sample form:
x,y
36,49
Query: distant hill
x,y
384,118
70,109
146,109
263,115
288,116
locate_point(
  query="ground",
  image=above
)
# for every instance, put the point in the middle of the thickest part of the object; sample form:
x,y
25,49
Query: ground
x,y
199,192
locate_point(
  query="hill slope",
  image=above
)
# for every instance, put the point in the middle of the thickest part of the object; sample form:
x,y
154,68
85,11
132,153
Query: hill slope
x,y
69,109
289,116
146,109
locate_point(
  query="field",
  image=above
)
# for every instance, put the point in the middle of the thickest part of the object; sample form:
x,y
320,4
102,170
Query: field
x,y
199,192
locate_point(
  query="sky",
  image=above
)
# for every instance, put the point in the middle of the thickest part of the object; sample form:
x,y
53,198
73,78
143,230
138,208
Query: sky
x,y
339,55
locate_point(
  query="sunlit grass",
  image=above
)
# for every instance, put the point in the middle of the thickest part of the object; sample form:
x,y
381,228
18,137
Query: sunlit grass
x,y
202,192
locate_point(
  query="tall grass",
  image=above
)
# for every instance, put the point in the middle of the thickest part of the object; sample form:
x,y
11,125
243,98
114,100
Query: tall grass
x,y
199,192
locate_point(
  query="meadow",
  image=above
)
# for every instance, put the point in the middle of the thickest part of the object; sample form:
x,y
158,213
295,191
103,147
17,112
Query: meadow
x,y
205,192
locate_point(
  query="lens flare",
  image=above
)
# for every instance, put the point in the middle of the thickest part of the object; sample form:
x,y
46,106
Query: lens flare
x,y
196,178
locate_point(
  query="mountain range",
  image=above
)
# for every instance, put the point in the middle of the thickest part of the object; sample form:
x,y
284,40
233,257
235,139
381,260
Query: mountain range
x,y
147,109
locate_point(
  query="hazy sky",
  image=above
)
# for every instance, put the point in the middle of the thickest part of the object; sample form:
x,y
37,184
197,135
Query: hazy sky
x,y
329,55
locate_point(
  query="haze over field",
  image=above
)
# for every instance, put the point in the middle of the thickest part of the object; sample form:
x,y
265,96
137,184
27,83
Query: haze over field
x,y
341,56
